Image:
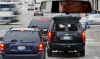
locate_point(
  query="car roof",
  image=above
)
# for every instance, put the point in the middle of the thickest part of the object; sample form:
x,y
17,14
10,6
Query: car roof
x,y
66,19
32,29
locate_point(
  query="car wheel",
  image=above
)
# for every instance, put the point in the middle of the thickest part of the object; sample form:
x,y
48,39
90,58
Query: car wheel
x,y
82,53
49,53
3,57
44,57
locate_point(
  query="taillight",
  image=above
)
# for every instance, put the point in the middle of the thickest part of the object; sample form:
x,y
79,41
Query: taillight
x,y
83,36
49,35
42,37
41,47
2,47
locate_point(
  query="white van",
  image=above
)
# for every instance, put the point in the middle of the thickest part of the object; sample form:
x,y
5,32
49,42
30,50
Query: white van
x,y
7,6
7,12
7,17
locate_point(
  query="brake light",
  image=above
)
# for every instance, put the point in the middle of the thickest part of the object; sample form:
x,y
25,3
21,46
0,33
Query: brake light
x,y
83,36
41,47
2,47
49,35
22,30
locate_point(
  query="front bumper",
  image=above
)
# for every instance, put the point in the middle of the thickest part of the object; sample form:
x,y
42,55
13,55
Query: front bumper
x,y
22,56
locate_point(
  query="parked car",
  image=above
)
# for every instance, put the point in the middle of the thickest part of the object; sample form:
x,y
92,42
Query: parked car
x,y
7,17
8,12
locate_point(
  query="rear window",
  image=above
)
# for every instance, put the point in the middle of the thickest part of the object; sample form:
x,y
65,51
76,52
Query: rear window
x,y
26,36
66,27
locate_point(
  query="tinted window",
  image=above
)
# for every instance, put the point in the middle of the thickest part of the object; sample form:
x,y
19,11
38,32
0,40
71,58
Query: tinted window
x,y
27,36
7,6
66,27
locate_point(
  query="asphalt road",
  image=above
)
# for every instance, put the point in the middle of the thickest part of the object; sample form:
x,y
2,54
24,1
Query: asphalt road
x,y
92,35
92,44
92,38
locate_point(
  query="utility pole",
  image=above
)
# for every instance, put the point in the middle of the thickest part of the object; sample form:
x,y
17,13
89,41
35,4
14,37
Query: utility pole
x,y
92,4
97,4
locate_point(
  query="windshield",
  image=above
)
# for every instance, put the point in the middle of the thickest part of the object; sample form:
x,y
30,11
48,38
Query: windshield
x,y
6,7
27,36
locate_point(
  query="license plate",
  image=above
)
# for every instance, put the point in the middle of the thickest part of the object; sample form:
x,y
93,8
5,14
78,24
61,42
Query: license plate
x,y
67,38
21,48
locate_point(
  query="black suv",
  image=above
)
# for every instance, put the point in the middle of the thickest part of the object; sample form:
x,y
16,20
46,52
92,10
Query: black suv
x,y
66,36
22,43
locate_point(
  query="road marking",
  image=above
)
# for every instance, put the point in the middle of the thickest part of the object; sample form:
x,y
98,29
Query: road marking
x,y
92,42
96,57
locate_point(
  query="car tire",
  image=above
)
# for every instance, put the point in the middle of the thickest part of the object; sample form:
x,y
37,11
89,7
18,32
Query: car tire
x,y
44,57
82,53
49,53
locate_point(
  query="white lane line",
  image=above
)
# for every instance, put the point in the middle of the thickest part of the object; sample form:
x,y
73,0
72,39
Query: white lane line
x,y
96,57
92,42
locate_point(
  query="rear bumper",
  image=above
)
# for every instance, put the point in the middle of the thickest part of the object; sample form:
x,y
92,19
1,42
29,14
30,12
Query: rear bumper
x,y
4,21
67,47
22,56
